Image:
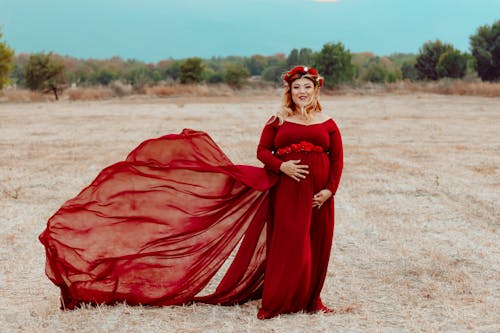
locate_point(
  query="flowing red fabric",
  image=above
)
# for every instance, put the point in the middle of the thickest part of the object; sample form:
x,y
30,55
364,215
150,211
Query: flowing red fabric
x,y
155,228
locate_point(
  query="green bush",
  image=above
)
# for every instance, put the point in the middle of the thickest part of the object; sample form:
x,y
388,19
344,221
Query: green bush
x,y
274,73
140,75
377,69
235,75
379,74
169,69
211,76
104,76
408,71
191,70
452,64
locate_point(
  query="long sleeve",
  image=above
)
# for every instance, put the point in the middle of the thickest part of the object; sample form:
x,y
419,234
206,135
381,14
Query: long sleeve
x,y
266,147
336,159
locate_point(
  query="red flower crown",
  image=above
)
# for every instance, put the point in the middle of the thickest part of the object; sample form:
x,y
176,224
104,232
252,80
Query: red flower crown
x,y
302,71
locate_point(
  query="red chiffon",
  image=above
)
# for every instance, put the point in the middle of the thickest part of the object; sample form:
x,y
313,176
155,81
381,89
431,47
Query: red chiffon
x,y
154,229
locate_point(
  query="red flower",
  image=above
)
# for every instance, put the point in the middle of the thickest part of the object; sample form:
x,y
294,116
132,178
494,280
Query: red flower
x,y
301,71
297,147
312,71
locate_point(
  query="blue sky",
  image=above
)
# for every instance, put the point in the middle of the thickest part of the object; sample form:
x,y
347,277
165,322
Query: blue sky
x,y
151,30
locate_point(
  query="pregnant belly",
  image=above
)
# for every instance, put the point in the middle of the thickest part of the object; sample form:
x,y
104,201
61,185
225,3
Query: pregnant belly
x,y
319,168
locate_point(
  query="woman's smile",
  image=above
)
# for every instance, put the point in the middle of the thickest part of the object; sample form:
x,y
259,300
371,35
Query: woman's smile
x,y
302,92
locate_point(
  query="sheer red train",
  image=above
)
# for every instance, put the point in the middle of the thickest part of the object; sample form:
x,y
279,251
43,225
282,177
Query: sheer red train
x,y
155,228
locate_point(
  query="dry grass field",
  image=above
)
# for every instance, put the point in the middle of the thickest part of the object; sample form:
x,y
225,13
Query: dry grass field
x,y
416,246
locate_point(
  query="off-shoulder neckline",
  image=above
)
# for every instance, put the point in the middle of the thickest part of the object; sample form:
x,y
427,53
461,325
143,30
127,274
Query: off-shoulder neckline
x,y
307,125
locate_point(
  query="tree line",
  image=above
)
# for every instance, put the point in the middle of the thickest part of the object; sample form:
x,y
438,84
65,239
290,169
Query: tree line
x,y
49,72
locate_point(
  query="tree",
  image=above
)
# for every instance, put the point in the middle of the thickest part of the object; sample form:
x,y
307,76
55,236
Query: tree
x,y
104,76
305,56
17,74
81,73
485,47
334,63
256,64
452,64
45,73
139,74
299,57
169,69
428,59
191,70
6,62
437,60
235,75
293,58
276,67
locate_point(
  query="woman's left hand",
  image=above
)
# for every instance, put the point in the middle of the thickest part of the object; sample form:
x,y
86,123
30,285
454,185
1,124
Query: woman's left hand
x,y
320,198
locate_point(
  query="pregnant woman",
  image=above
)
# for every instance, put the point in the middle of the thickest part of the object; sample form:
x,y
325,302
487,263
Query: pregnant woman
x,y
156,228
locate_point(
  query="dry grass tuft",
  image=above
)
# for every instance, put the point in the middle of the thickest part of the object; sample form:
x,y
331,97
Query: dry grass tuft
x,y
89,94
452,87
16,95
121,89
442,87
195,90
12,193
254,88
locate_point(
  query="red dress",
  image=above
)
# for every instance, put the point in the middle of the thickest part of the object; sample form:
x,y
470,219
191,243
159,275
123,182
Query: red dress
x,y
300,236
156,228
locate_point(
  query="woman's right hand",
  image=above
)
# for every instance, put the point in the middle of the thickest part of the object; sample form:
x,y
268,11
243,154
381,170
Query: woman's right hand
x,y
294,170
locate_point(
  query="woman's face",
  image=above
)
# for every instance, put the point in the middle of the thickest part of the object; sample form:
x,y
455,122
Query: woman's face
x,y
302,92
